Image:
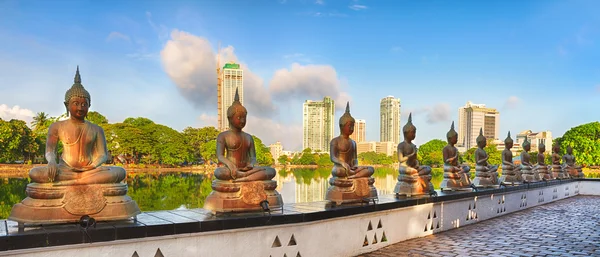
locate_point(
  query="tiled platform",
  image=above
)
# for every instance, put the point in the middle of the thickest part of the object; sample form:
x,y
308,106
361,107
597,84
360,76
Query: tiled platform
x,y
569,227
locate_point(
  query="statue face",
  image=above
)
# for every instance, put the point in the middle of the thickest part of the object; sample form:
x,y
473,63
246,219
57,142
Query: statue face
x,y
78,107
542,149
569,150
527,148
509,145
453,140
557,149
348,128
410,135
238,120
482,143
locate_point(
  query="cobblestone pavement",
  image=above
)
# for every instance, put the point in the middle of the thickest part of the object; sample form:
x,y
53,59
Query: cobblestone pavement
x,y
569,227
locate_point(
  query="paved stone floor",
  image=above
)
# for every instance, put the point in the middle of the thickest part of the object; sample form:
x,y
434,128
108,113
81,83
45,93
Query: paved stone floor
x,y
569,227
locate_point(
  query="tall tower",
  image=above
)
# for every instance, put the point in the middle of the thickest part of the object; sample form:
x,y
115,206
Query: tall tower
x,y
231,79
360,131
318,124
471,118
389,113
219,89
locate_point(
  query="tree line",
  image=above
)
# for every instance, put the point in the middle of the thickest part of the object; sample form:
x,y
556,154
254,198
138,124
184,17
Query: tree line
x,y
142,141
133,141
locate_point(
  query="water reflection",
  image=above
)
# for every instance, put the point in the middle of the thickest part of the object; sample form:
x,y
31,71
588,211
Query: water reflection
x,y
179,190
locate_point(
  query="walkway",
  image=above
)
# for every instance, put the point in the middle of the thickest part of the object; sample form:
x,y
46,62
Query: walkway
x,y
569,227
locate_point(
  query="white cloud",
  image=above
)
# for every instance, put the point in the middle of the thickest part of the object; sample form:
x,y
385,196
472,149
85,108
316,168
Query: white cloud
x,y
327,14
357,7
160,29
116,36
309,81
437,113
320,2
512,102
190,62
16,112
397,49
208,120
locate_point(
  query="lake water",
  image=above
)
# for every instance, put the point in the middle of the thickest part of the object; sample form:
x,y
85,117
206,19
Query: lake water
x,y
179,190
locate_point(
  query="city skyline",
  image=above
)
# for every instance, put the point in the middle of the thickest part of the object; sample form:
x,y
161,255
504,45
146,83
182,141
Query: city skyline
x,y
536,62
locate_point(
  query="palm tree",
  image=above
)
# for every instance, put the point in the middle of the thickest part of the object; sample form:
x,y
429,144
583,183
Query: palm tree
x,y
40,120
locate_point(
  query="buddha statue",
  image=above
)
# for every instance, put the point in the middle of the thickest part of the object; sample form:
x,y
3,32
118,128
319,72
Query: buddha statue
x,y
557,168
486,175
511,173
456,177
241,185
77,184
349,183
527,171
414,179
573,169
542,169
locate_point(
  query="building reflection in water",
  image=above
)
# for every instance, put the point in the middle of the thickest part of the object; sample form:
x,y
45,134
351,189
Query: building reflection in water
x,y
310,185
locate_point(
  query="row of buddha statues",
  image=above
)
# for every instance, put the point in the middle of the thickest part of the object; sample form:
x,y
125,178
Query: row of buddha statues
x,y
76,183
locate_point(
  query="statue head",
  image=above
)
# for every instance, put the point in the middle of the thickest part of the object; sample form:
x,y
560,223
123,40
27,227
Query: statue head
x,y
570,150
541,148
409,130
526,145
347,122
236,113
452,136
77,99
508,142
481,140
556,148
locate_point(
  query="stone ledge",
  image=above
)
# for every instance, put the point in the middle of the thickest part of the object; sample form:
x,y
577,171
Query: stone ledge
x,y
163,223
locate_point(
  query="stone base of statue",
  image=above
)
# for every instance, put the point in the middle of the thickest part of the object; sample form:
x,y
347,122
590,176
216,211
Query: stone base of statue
x,y
510,176
484,177
558,172
49,203
528,174
230,196
543,172
456,179
343,191
574,172
411,183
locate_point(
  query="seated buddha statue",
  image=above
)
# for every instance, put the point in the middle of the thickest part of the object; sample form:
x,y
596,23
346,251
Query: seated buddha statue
x,y
78,178
414,179
527,171
542,169
511,173
557,168
241,185
456,177
486,175
349,182
573,169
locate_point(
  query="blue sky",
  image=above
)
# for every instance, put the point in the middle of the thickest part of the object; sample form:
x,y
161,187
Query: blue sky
x,y
535,61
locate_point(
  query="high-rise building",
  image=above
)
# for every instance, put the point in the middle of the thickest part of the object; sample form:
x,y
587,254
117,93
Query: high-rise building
x,y
360,131
231,79
276,151
365,147
318,124
471,118
535,139
389,111
386,148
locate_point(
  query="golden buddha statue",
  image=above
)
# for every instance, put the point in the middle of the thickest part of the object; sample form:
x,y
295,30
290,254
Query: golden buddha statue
x,y
414,179
570,166
511,173
78,179
349,182
240,184
486,175
542,169
527,170
456,177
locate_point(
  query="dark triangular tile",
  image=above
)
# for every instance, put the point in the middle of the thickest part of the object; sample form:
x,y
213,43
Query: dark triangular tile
x,y
135,254
370,227
158,253
292,240
276,242
379,224
383,237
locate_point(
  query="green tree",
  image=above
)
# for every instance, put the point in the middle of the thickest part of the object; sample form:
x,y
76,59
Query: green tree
x,y
40,120
208,151
430,153
96,118
307,158
585,141
283,159
495,156
469,155
17,141
196,137
263,153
